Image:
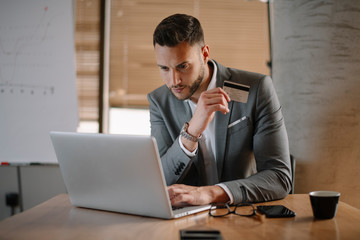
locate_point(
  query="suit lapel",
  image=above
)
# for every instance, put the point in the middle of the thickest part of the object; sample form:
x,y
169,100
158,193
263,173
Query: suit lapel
x,y
182,116
221,121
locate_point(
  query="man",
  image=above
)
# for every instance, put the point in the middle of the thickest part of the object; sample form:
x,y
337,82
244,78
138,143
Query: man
x,y
212,148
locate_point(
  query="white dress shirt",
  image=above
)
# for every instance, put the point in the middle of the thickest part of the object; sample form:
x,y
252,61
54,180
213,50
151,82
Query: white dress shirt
x,y
208,149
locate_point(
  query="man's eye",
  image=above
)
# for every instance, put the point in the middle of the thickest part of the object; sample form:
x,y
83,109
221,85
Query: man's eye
x,y
183,66
164,68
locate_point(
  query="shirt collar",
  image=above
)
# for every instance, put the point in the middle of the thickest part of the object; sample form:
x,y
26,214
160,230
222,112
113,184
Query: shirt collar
x,y
212,83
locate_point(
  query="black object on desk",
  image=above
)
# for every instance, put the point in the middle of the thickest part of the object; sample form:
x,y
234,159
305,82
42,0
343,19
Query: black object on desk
x,y
200,234
275,211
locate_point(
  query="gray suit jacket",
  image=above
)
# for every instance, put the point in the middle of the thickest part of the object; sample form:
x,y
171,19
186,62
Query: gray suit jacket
x,y
252,156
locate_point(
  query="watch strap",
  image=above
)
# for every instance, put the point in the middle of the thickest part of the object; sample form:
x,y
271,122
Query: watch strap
x,y
188,136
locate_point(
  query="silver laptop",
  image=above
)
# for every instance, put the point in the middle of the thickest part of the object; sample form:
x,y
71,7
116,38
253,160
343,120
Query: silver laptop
x,y
120,173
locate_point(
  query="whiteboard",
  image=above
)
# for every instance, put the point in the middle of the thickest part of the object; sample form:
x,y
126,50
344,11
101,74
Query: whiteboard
x,y
37,77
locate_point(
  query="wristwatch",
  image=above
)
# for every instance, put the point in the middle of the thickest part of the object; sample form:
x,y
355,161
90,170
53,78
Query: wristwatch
x,y
188,136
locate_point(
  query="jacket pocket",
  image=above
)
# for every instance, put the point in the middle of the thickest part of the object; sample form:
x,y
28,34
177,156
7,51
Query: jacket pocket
x,y
239,124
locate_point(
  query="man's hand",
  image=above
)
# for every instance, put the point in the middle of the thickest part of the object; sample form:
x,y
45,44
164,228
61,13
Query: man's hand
x,y
209,102
181,195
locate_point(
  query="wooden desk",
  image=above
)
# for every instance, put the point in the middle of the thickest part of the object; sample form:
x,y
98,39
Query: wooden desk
x,y
58,219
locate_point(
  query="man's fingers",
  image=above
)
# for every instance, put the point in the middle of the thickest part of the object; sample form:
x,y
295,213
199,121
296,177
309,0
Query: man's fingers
x,y
219,96
178,189
182,199
215,101
214,107
221,91
181,194
190,195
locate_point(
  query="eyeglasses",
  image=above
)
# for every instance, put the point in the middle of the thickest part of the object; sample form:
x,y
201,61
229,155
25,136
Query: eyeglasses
x,y
223,209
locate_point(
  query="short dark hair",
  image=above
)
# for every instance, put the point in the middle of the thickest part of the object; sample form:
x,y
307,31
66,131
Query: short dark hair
x,y
178,28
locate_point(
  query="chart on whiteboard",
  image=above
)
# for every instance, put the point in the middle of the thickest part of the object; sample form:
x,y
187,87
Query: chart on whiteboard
x,y
37,77
24,56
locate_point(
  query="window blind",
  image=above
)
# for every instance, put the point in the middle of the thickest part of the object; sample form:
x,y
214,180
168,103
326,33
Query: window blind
x,y
87,40
235,30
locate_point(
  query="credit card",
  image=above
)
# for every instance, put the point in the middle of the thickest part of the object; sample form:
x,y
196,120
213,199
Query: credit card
x,y
236,91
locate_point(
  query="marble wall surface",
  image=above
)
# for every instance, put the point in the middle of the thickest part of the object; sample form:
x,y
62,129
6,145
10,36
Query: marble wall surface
x,y
316,71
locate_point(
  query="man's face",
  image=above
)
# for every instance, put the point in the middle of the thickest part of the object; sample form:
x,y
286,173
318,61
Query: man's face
x,y
181,68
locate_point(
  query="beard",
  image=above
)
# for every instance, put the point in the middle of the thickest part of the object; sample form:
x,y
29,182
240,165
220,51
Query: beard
x,y
192,88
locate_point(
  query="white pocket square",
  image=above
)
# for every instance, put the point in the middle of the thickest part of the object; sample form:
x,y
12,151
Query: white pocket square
x,y
237,122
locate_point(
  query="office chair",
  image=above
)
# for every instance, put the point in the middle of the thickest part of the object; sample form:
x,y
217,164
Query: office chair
x,y
293,163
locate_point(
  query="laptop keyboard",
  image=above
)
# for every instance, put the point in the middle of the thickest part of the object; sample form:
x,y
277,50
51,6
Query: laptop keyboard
x,y
176,208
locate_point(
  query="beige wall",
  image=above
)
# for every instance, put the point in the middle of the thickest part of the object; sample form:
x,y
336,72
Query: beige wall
x,y
316,46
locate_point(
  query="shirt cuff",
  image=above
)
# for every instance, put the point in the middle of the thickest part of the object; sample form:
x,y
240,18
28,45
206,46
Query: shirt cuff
x,y
226,189
190,154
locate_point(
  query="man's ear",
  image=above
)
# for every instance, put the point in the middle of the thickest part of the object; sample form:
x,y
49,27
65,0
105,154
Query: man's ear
x,y
205,51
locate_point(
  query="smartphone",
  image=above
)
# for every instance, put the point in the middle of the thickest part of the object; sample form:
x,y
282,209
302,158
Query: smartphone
x,y
275,211
200,234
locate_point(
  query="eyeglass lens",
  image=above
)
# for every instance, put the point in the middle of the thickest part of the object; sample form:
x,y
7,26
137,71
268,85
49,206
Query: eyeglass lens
x,y
246,210
222,210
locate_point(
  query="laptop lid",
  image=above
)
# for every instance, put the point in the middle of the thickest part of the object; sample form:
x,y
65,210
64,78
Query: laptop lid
x,y
121,173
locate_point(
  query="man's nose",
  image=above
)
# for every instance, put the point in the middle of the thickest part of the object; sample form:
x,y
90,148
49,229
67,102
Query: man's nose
x,y
175,77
